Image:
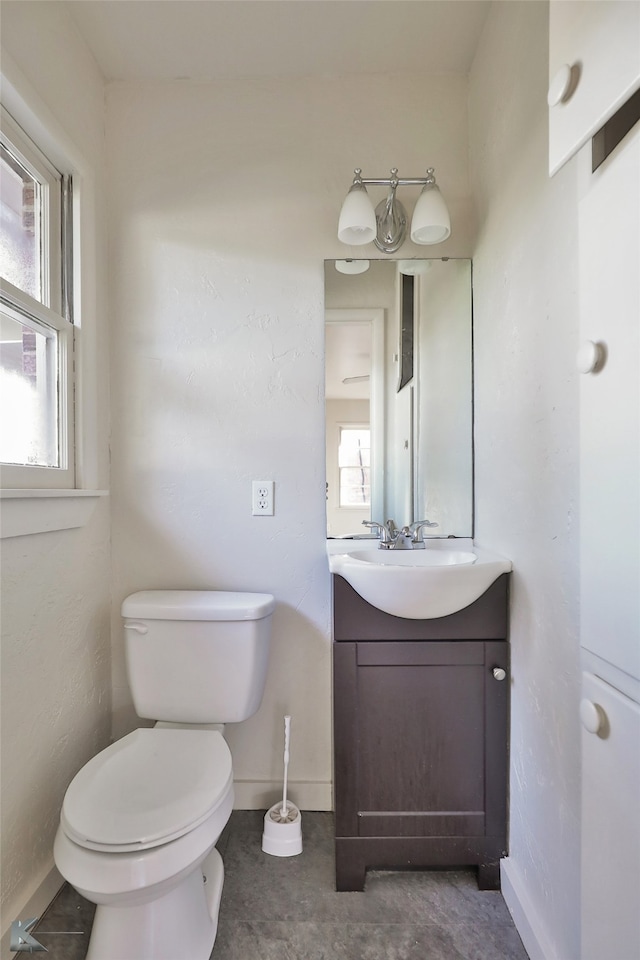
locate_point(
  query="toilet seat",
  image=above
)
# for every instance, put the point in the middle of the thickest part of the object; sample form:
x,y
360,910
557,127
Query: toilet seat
x,y
149,788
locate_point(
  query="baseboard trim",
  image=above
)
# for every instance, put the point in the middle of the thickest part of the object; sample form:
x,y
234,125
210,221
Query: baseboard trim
x,y
526,918
34,906
262,794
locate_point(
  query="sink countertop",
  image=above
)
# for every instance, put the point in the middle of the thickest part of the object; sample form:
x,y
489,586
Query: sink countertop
x,y
418,591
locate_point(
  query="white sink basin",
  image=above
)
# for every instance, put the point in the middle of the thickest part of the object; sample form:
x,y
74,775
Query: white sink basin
x,y
413,558
419,584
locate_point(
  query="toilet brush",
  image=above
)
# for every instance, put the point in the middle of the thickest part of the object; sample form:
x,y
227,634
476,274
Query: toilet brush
x,y
282,836
283,816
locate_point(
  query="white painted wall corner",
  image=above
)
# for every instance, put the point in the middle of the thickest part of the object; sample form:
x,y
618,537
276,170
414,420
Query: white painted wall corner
x,y
530,927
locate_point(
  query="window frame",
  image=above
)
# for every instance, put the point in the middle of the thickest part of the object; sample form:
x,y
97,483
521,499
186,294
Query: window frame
x,y
354,426
54,312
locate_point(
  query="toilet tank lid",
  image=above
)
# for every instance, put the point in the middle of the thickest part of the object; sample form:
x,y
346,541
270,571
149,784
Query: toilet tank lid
x,y
197,605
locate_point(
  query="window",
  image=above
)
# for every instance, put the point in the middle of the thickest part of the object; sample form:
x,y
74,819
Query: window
x,y
354,463
36,330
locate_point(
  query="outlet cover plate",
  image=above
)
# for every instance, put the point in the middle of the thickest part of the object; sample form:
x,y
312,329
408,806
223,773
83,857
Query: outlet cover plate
x,y
262,498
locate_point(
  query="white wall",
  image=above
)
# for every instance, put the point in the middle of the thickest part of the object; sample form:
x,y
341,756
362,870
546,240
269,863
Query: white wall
x,y
225,200
526,434
55,586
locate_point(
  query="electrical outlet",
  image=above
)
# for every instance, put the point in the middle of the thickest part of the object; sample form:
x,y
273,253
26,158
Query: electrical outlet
x,y
262,498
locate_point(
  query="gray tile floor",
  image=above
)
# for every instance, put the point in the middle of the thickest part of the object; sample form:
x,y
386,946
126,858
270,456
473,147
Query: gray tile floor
x,y
287,909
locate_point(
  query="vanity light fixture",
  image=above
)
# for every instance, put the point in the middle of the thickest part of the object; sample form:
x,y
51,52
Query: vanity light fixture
x,y
386,226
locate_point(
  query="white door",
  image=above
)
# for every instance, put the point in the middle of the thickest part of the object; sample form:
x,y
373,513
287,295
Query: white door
x,y
594,67
610,823
609,223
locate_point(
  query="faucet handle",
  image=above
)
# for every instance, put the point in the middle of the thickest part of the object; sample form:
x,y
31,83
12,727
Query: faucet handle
x,y
423,523
371,524
386,531
416,529
381,529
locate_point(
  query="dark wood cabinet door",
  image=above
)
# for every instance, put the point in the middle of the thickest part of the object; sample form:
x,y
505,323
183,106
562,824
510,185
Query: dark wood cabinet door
x,y
421,748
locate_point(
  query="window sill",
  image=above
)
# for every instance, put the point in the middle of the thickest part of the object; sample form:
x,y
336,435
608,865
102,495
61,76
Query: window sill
x,y
26,512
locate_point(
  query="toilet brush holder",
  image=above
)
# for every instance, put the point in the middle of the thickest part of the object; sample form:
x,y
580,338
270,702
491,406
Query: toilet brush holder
x,y
282,836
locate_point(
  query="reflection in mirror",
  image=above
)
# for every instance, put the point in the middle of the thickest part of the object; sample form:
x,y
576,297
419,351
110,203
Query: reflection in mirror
x,y
399,436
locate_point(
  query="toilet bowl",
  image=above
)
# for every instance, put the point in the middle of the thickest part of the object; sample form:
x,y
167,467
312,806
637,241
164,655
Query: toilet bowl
x,y
140,820
141,860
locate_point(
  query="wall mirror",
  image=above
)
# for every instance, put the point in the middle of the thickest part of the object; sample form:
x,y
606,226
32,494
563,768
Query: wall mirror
x,y
399,400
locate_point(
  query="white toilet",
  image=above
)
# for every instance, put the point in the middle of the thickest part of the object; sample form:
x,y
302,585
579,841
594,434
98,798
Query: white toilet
x,y
140,821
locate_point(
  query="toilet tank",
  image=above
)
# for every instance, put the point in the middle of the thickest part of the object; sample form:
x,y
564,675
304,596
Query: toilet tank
x,y
197,656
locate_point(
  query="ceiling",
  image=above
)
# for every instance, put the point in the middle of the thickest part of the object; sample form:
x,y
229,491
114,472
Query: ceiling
x,y
228,39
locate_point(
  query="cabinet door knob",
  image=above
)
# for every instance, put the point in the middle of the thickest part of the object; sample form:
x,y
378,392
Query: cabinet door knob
x,y
560,86
593,717
590,357
499,673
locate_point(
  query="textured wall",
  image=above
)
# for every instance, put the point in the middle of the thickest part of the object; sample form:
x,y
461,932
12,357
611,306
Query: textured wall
x,y
55,586
525,280
225,205
55,688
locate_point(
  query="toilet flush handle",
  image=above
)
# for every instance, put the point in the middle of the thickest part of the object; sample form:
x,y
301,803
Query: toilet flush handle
x,y
136,627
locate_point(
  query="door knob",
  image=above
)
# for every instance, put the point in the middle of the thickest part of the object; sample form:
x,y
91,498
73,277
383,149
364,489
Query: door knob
x,y
499,673
562,85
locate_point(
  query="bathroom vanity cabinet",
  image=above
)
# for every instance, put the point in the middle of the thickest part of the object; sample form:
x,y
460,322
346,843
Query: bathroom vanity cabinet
x,y
420,737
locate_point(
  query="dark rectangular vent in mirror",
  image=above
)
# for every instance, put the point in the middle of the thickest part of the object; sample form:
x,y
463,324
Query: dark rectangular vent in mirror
x,y
609,136
406,332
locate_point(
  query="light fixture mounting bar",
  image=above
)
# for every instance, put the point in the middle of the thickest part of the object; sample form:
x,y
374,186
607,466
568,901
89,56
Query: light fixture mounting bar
x,y
394,180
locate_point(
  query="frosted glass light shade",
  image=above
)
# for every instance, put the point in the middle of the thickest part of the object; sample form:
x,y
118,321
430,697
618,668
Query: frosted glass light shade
x,y
431,222
352,266
414,268
357,223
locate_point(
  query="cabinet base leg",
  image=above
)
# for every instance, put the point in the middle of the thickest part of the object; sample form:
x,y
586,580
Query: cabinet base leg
x,y
355,854
489,876
350,870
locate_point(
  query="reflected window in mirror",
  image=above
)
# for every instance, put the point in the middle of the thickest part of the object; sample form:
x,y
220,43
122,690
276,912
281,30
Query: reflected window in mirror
x,y
354,462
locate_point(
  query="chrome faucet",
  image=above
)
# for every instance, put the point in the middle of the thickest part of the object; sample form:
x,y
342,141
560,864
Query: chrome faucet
x,y
391,538
403,540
